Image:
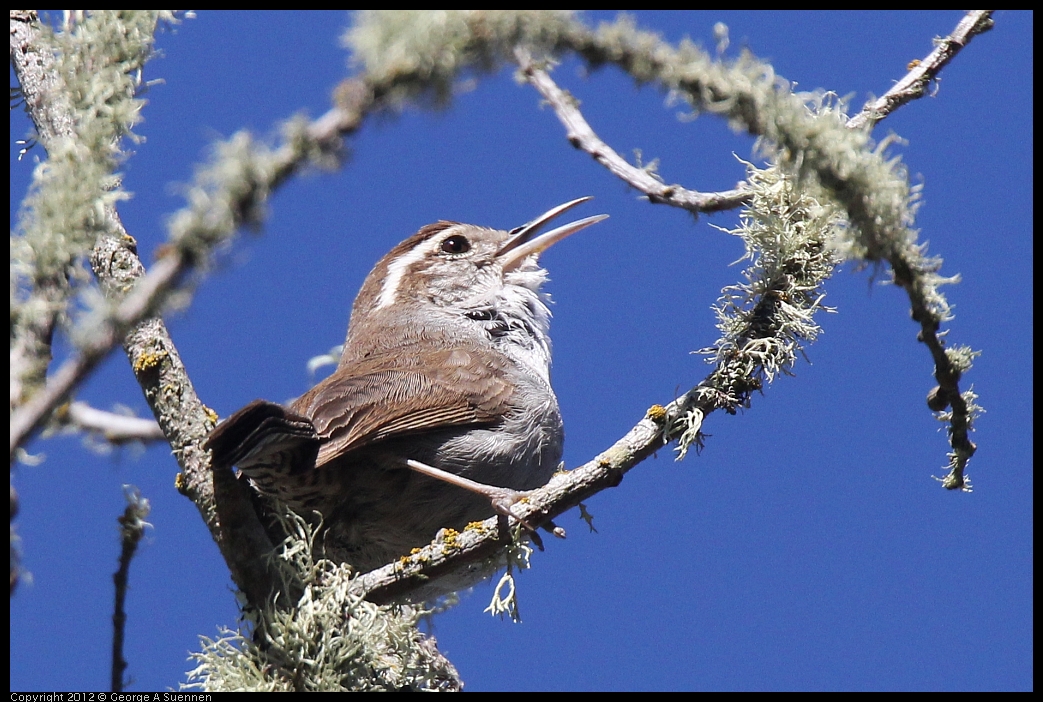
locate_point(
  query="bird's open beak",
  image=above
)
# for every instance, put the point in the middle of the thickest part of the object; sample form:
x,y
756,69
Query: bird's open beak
x,y
521,243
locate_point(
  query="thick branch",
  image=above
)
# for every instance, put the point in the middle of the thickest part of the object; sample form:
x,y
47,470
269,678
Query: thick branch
x,y
31,346
152,353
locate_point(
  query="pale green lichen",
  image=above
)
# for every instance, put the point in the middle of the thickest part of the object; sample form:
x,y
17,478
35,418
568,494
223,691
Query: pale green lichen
x,y
766,320
97,62
329,640
408,54
505,594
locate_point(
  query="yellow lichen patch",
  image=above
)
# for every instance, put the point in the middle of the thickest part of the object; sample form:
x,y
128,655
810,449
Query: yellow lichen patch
x,y
656,413
417,555
449,537
210,414
478,527
148,361
181,483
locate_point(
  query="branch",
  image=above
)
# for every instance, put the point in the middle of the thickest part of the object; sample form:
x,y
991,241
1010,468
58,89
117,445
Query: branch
x,y
582,136
27,418
230,193
154,358
30,352
923,71
873,189
620,44
47,102
644,56
951,364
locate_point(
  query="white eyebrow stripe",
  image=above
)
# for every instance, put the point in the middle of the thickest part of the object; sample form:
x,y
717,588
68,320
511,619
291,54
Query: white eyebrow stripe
x,y
397,269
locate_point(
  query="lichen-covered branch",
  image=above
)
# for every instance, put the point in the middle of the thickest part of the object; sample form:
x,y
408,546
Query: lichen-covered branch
x,y
82,130
50,67
320,636
750,95
817,147
767,319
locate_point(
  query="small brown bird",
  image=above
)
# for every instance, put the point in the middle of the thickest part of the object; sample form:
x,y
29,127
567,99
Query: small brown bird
x,y
446,366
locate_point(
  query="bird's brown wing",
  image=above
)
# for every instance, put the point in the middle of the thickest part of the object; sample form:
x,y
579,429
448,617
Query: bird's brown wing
x,y
391,395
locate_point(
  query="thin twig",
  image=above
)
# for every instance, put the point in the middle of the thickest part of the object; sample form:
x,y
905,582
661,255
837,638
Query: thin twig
x,y
132,528
923,72
580,134
114,428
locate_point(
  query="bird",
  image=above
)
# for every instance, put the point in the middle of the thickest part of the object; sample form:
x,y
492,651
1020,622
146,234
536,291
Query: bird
x,y
445,372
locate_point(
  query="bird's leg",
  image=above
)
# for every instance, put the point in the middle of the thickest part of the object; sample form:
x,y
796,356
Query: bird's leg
x,y
502,499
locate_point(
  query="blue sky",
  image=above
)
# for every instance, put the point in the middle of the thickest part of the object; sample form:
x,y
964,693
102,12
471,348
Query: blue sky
x,y
807,547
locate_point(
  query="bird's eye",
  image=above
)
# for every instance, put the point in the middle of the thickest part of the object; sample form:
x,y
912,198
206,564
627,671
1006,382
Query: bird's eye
x,y
456,244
